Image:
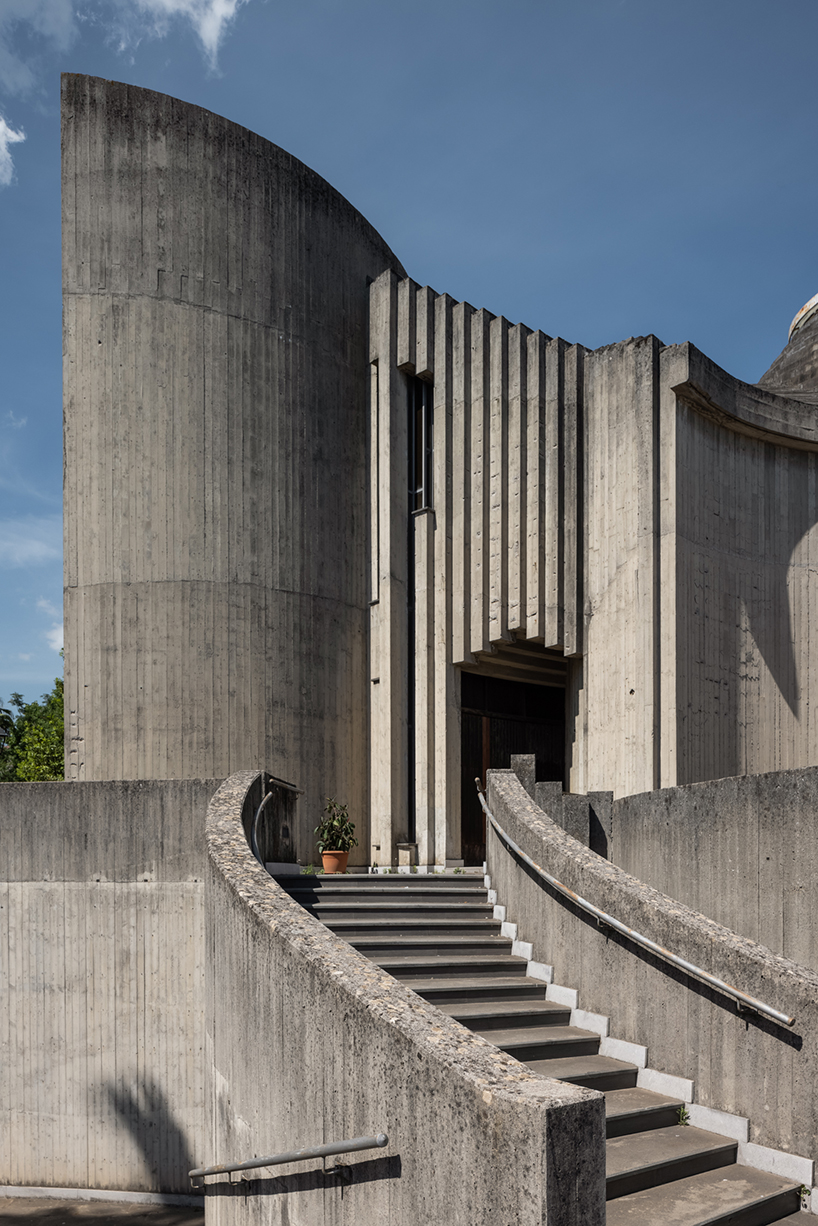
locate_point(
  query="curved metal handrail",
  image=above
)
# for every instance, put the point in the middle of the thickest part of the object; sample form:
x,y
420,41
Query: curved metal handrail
x,y
744,1001
254,828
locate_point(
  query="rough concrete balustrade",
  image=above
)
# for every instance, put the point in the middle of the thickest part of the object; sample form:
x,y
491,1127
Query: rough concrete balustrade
x,y
739,1063
310,1042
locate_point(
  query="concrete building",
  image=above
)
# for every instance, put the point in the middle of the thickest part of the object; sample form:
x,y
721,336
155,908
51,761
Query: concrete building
x,y
325,524
322,518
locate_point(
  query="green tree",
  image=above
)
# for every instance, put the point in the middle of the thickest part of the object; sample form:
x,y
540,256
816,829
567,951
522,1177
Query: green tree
x,y
34,749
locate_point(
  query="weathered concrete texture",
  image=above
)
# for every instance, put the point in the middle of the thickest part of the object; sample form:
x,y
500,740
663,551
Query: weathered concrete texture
x,y
743,1064
311,1042
216,424
742,851
102,966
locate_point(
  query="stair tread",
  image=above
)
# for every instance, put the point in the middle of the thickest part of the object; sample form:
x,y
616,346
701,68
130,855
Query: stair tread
x,y
707,1199
386,909
475,960
435,941
463,1011
526,1035
638,1151
636,1100
481,983
564,1068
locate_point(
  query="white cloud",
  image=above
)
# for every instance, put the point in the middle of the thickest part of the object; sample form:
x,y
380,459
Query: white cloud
x,y
54,637
209,18
33,541
25,656
47,607
17,423
8,137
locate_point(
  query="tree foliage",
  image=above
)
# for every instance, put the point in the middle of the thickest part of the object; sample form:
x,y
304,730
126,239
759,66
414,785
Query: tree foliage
x,y
34,749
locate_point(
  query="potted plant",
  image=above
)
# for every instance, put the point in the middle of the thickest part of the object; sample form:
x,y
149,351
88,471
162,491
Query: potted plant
x,y
335,836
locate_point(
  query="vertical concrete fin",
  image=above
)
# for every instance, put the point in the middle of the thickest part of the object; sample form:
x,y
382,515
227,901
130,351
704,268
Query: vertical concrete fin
x,y
423,670
446,742
425,333
479,475
572,510
407,326
534,521
461,483
554,494
517,534
498,481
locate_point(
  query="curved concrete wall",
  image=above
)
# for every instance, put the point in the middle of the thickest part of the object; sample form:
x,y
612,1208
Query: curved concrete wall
x,y
310,1042
740,1063
216,418
754,843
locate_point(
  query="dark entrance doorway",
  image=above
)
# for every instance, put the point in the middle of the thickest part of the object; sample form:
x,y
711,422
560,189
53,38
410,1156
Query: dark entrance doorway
x,y
500,718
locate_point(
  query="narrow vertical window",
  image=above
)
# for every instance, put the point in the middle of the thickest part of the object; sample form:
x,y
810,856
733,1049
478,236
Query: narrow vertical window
x,y
420,444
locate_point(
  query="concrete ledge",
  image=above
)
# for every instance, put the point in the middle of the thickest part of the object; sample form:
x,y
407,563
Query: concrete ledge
x,y
539,970
722,1122
594,1022
562,996
522,949
104,1194
398,1065
619,1049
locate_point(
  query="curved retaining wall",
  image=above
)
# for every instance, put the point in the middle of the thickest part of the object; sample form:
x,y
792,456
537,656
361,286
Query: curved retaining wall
x,y
743,1064
310,1042
754,843
216,428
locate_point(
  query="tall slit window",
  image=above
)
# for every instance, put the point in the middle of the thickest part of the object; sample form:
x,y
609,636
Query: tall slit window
x,y
420,443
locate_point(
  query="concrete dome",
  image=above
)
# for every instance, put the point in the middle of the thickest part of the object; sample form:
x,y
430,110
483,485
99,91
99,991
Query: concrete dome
x,y
795,370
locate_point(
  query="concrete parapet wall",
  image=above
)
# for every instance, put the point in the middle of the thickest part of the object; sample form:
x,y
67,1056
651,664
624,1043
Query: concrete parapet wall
x,y
102,972
310,1042
743,1064
752,842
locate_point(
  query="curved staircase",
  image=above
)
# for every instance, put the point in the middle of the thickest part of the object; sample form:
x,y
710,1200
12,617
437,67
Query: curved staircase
x,y
437,935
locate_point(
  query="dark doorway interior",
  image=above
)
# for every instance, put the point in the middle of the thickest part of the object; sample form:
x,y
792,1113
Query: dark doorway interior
x,y
500,718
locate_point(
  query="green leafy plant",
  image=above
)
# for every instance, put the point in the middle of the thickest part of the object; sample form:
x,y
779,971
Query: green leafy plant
x,y
805,1193
684,1116
335,832
33,737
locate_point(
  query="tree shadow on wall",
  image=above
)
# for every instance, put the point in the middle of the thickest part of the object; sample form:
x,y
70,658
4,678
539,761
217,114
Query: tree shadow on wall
x,y
163,1143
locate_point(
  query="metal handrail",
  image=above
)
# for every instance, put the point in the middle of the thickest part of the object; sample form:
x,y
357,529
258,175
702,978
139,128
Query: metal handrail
x,y
254,828
744,1001
295,1155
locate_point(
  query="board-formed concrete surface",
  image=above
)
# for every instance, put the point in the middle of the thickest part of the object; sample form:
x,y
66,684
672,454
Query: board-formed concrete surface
x,y
215,401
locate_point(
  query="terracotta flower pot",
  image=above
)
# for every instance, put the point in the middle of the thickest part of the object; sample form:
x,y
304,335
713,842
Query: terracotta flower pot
x,y
334,861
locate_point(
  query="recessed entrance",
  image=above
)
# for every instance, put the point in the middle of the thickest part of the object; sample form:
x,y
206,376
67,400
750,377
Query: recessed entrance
x,y
501,717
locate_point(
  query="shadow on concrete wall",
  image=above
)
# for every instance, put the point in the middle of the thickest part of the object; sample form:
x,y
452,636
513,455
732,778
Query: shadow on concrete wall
x,y
163,1143
337,1176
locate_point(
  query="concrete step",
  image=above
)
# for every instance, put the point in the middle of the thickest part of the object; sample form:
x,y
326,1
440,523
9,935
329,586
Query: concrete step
x,y
543,1042
356,931
381,883
730,1196
637,1110
487,1016
492,989
438,946
403,909
595,1072
642,1160
426,966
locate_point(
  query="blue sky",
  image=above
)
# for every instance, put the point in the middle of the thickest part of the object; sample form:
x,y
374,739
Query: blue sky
x,y
595,168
